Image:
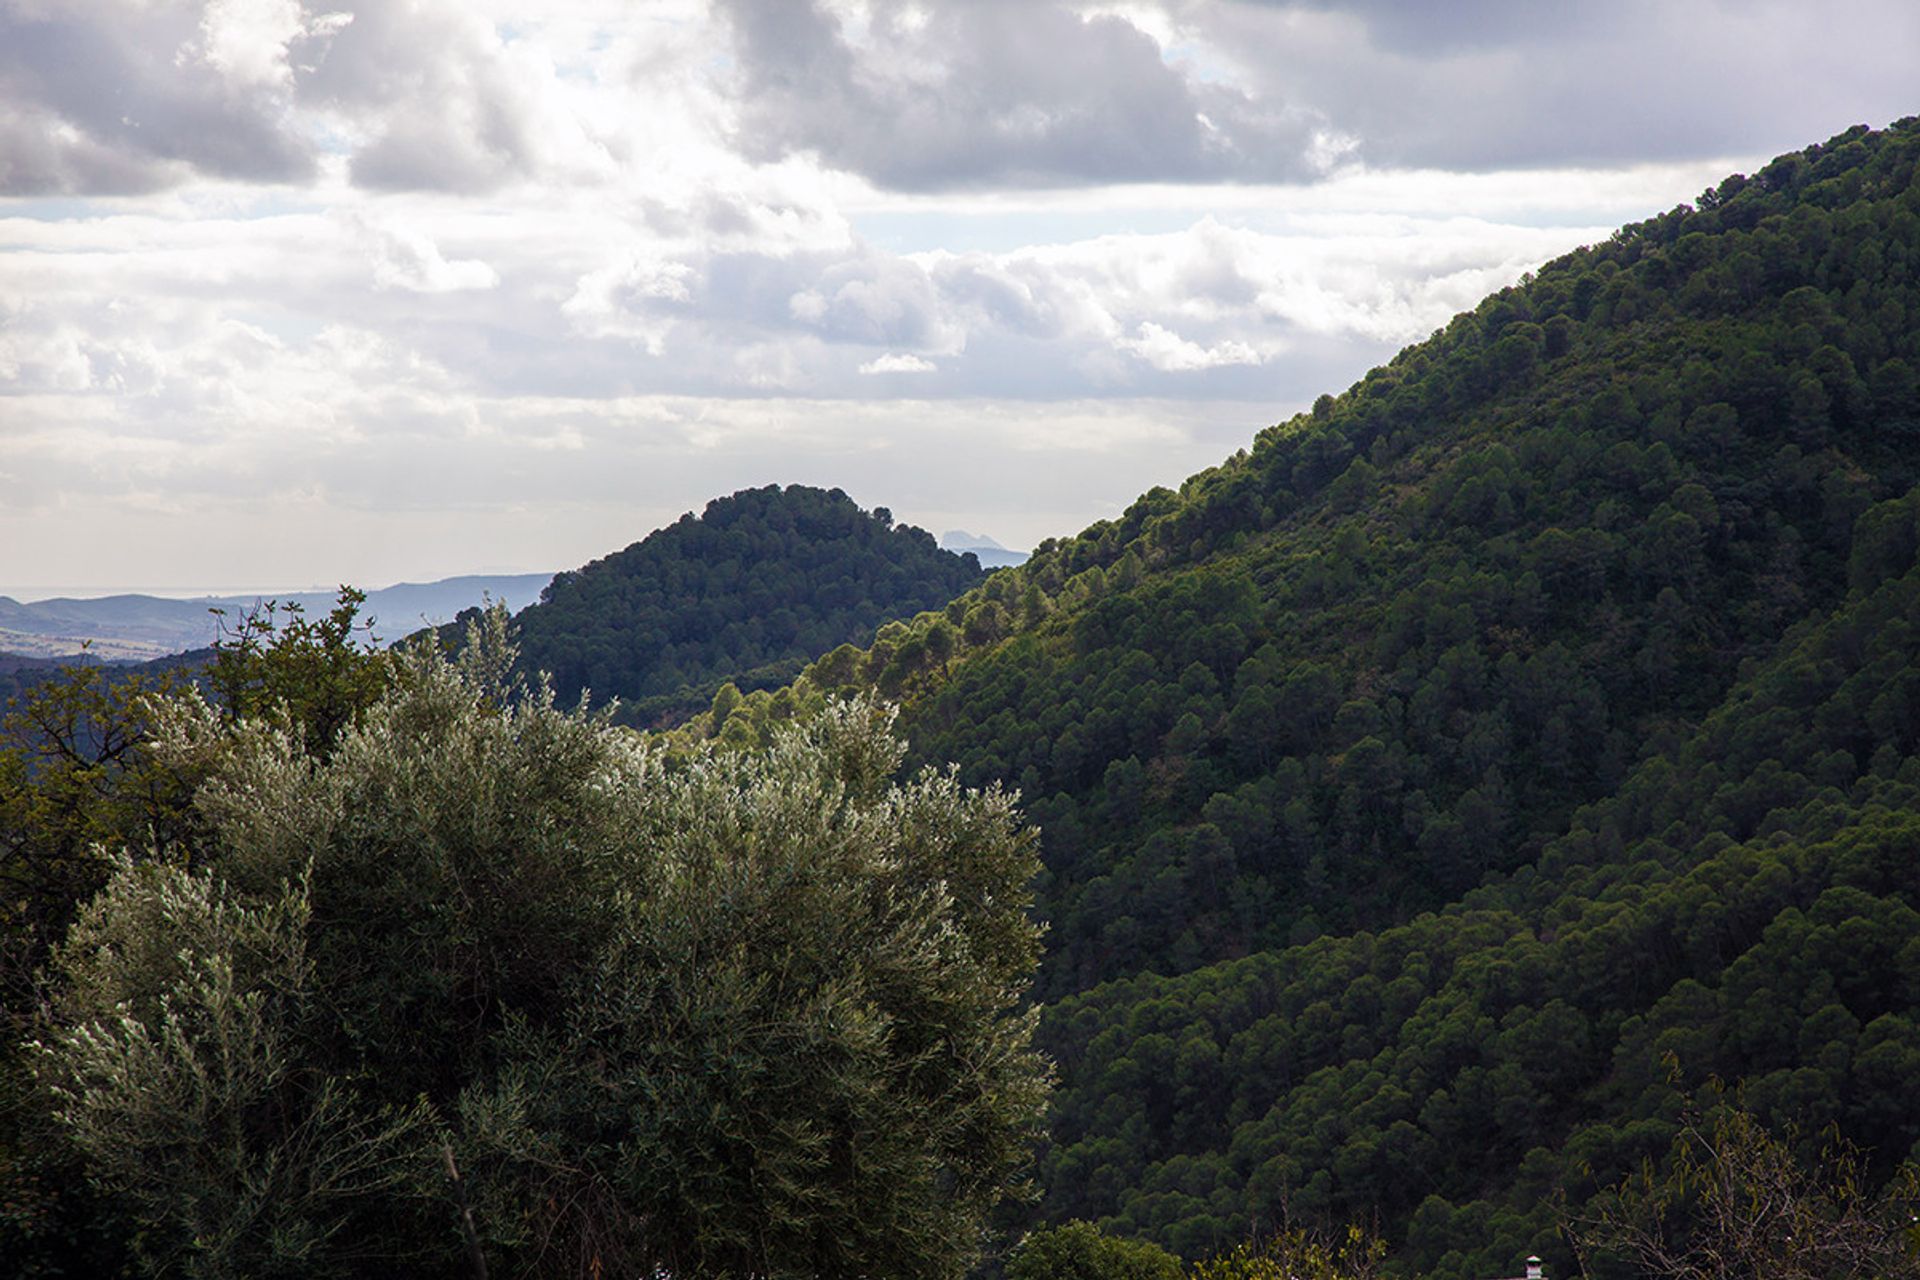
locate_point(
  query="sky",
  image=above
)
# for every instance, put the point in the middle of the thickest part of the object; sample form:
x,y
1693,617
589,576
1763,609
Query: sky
x,y
302,292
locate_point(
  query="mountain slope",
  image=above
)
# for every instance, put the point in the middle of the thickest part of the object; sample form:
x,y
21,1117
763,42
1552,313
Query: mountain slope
x,y
1338,679
1398,649
1749,903
750,589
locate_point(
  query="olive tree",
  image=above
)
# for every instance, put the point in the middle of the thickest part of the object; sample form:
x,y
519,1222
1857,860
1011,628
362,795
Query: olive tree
x,y
490,983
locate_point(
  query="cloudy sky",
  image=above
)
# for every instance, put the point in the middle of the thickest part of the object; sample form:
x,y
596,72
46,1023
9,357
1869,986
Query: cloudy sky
x,y
295,292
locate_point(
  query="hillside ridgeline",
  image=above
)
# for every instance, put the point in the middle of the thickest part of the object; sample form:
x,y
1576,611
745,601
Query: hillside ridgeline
x,y
1417,778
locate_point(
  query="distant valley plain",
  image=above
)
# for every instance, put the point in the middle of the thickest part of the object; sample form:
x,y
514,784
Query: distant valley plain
x,y
137,628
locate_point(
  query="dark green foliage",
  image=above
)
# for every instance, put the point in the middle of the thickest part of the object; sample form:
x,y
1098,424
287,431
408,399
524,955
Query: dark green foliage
x,y
74,775
1745,900
1415,778
319,674
1733,1199
1396,644
750,590
75,778
1077,1251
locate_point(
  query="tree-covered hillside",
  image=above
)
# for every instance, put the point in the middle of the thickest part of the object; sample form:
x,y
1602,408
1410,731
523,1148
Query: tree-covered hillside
x,y
748,591
1393,646
1427,748
18,674
1747,902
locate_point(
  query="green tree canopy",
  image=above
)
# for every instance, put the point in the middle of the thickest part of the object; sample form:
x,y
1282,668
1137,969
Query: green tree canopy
x,y
752,1014
758,584
1078,1251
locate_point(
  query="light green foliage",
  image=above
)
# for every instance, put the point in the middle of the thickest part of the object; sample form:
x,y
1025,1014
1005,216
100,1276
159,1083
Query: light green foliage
x,y
1299,1255
835,957
1078,1251
747,1014
175,1067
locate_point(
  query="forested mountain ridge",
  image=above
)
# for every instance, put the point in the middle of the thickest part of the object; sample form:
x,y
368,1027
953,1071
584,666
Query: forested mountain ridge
x,y
1401,647
747,591
1523,549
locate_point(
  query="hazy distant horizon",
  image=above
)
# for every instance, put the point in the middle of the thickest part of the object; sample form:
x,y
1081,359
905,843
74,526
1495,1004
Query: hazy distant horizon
x,y
39,593
36,594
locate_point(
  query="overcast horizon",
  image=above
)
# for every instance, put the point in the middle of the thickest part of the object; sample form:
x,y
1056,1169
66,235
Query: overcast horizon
x,y
301,293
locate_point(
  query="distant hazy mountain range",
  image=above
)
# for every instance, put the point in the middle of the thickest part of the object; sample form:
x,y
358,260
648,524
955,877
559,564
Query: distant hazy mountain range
x,y
990,553
139,627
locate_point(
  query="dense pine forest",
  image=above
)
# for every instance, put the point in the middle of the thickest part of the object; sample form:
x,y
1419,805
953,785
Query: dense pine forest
x,y
748,592
1419,780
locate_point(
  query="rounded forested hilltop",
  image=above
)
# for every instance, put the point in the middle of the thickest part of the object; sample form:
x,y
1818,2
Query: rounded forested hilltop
x,y
750,589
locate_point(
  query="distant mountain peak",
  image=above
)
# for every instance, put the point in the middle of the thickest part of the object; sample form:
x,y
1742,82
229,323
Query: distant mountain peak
x,y
961,540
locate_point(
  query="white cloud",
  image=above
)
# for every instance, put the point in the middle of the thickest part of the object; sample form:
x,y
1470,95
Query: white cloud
x,y
407,259
247,40
346,271
951,96
637,299
46,360
193,361
878,300
894,362
1491,84
1168,352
